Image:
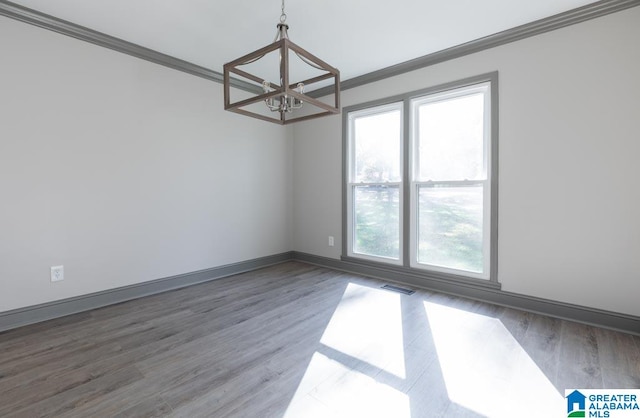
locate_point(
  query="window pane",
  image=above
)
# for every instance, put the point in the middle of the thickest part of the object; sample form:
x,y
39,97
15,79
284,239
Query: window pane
x,y
377,147
451,139
450,227
377,221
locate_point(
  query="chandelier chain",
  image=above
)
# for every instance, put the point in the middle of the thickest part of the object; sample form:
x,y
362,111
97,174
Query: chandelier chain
x,y
283,16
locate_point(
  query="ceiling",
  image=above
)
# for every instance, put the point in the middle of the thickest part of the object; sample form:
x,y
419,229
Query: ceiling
x,y
356,36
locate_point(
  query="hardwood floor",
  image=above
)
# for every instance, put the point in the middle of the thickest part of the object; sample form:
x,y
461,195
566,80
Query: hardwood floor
x,y
302,341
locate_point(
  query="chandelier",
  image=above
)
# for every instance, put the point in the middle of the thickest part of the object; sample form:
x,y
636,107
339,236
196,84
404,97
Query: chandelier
x,y
281,101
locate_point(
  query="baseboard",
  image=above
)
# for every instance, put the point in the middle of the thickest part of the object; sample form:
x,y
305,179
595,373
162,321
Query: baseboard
x,y
43,312
576,313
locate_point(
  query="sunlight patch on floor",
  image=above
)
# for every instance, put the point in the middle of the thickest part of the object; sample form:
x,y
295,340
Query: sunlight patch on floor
x,y
331,389
363,339
367,325
485,369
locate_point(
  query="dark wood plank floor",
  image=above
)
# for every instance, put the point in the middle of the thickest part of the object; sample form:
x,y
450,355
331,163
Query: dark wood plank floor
x,y
303,341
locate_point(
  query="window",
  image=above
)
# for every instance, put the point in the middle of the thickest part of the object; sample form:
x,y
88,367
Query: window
x,y
420,180
376,178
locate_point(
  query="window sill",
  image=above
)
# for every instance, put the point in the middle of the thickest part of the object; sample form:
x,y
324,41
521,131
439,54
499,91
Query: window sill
x,y
418,276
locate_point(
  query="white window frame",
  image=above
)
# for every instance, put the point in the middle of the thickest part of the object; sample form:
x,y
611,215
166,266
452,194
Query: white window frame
x,y
352,184
415,103
409,187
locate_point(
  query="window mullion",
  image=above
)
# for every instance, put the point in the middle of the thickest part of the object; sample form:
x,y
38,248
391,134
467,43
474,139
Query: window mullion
x,y
406,180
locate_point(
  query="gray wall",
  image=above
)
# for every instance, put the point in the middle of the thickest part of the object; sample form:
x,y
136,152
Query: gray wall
x,y
125,171
569,144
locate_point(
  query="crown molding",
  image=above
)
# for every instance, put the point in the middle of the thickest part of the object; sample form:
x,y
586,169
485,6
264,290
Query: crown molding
x,y
561,20
551,23
45,21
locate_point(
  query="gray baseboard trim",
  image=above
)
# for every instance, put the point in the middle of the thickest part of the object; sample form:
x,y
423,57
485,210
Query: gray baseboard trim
x,y
43,312
576,313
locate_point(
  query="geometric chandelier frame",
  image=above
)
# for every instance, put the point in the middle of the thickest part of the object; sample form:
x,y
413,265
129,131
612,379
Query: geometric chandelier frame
x,y
284,98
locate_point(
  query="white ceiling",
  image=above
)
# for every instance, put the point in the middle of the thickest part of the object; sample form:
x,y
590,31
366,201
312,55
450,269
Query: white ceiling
x,y
356,36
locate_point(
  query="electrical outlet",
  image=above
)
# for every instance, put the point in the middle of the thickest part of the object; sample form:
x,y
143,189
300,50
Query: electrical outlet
x,y
57,273
331,242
